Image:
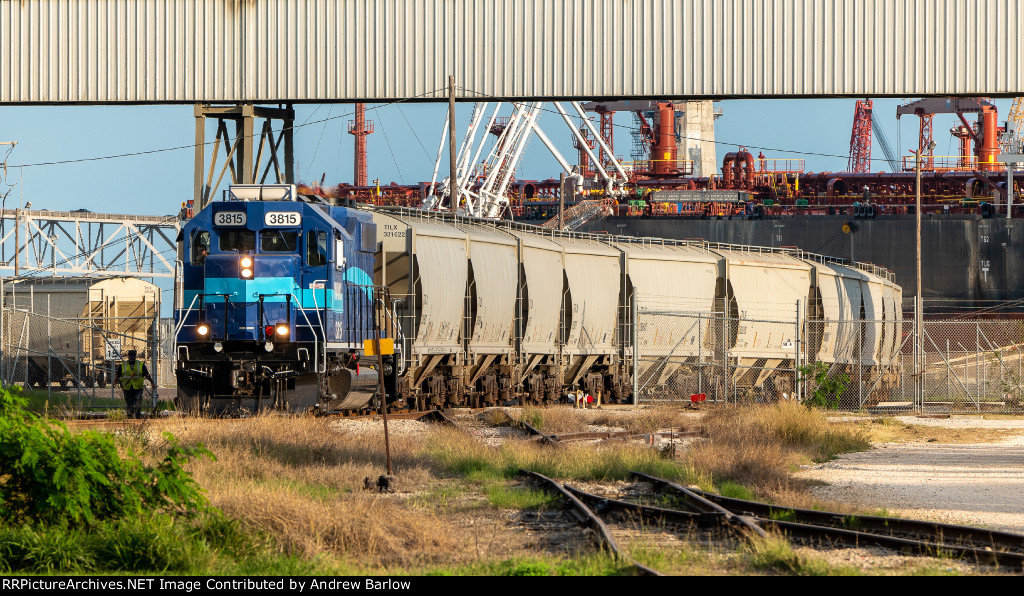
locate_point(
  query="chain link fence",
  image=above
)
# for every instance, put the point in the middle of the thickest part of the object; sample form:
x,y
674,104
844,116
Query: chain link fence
x,y
74,360
965,366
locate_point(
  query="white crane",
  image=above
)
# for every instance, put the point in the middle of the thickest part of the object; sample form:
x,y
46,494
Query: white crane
x,y
483,185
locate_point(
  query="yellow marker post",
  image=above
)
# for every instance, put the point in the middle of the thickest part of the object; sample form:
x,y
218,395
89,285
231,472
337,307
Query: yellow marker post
x,y
387,346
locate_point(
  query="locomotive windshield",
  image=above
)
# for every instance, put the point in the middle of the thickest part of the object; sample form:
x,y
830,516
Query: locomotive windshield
x,y
240,240
278,241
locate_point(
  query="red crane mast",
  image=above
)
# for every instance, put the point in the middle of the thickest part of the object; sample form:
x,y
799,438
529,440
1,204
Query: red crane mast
x,y
860,138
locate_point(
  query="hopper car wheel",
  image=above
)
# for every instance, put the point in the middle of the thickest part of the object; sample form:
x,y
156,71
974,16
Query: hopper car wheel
x,y
63,384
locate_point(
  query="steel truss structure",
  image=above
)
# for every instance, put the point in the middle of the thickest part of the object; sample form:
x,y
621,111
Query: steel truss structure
x,y
83,243
483,184
242,155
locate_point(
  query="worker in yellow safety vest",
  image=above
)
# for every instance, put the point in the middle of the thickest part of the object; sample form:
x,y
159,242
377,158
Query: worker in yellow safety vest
x,y
130,375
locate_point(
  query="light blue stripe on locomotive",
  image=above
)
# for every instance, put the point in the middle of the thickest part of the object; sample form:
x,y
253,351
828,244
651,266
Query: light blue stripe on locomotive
x,y
240,290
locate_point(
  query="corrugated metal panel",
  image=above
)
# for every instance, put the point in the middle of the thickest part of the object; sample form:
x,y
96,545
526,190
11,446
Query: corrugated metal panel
x,y
594,276
670,283
840,299
321,50
767,287
872,289
494,258
674,288
543,266
440,253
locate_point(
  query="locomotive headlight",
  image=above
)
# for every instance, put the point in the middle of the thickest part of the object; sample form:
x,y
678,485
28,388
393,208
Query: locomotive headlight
x,y
203,329
246,262
282,330
247,273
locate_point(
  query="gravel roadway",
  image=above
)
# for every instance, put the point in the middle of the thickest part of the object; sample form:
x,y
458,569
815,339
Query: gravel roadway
x,y
979,484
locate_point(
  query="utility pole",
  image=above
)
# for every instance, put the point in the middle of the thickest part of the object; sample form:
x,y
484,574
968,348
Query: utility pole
x,y
452,185
918,304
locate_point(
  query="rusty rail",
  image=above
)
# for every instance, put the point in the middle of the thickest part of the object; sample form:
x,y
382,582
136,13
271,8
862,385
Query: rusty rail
x,y
589,519
928,538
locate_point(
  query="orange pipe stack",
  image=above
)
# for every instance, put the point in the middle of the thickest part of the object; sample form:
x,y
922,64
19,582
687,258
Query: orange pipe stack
x,y
663,151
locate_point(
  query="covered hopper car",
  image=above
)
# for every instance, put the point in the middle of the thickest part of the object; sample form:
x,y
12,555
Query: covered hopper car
x,y
70,330
281,292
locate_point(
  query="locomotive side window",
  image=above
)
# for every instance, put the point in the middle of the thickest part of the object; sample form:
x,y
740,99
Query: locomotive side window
x,y
200,247
316,248
240,240
278,241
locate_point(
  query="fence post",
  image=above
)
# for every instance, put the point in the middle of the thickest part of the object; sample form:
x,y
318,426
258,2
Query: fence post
x,y
82,362
154,346
978,384
49,350
919,395
862,335
725,351
796,356
700,357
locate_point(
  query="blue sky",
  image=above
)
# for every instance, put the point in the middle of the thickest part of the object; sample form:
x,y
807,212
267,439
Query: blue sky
x,y
401,150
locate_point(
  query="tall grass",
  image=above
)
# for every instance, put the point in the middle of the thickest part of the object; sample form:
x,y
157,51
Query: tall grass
x,y
301,482
555,421
459,454
758,446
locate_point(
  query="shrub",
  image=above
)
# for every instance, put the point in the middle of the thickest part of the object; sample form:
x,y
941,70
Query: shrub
x,y
53,477
826,389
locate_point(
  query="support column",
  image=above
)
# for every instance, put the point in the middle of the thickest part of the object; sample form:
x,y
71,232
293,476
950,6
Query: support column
x,y
243,154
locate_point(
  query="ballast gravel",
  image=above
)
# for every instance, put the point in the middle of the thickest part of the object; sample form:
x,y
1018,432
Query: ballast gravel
x,y
979,484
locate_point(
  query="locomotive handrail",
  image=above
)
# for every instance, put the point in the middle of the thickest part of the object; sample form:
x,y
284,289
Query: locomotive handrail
x,y
316,344
316,307
398,331
316,351
181,323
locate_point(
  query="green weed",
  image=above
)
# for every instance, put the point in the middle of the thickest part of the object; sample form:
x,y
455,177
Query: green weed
x,y
774,553
503,496
735,491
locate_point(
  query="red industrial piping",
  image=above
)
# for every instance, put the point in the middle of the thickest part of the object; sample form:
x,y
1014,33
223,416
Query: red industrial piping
x,y
747,171
727,168
988,148
663,151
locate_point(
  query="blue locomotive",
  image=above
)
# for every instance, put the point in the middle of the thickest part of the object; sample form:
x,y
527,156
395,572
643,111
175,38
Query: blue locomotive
x,y
275,302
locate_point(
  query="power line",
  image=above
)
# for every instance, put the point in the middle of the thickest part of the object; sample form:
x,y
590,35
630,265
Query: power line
x,y
194,145
716,141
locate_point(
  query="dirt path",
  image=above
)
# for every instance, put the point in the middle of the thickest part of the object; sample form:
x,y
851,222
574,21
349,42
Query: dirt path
x,y
973,484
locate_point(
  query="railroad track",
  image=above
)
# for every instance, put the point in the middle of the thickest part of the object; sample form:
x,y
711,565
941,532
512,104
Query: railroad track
x,y
922,537
589,519
696,510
